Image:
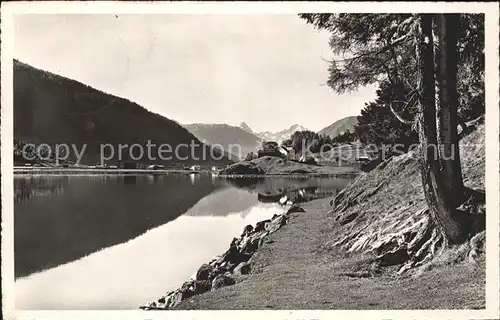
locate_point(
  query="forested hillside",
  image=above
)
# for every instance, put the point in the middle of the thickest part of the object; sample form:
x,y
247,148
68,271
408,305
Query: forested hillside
x,y
51,109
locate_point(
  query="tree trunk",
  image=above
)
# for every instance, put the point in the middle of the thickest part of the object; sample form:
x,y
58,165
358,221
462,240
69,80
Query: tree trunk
x,y
441,208
451,173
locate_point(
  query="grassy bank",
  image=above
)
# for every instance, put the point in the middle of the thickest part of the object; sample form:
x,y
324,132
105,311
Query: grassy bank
x,y
327,258
275,166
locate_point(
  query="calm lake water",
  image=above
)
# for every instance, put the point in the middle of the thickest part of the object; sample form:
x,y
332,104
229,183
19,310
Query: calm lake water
x,y
117,242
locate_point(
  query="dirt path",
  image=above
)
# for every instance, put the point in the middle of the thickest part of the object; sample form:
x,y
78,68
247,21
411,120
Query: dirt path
x,y
294,270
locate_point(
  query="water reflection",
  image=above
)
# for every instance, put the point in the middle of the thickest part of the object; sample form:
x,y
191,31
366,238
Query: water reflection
x,y
93,212
140,270
223,202
130,179
74,231
290,190
30,186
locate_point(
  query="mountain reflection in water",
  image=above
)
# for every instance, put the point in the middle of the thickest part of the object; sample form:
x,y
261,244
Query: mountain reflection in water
x,y
71,232
65,218
291,190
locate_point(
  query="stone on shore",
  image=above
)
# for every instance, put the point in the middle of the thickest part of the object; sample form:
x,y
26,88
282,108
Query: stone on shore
x,y
222,280
174,299
242,268
247,230
294,209
235,256
261,225
277,223
250,245
220,271
204,272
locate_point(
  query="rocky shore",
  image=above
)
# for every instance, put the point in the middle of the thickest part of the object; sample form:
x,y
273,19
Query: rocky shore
x,y
224,270
356,250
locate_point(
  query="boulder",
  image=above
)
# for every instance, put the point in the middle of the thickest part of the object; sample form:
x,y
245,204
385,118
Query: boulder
x,y
187,289
294,209
261,238
221,259
222,280
242,268
261,225
273,227
214,261
201,286
276,224
226,266
174,299
250,245
233,255
247,230
235,242
194,287
204,272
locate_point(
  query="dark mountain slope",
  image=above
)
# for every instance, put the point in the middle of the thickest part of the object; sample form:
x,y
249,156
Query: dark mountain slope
x,y
53,109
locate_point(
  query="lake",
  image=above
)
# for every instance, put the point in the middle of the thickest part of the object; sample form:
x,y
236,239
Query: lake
x,y
119,241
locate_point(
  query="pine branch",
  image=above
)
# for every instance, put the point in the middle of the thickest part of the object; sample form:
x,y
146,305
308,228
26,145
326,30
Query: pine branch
x,y
399,117
377,51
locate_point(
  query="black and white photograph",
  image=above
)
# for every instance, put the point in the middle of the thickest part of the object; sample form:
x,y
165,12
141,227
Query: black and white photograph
x,y
321,158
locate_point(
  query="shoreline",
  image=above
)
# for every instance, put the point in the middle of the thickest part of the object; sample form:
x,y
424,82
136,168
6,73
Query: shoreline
x,y
341,252
57,171
224,270
27,171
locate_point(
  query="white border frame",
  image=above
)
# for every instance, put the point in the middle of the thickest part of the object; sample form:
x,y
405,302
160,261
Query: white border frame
x,y
491,11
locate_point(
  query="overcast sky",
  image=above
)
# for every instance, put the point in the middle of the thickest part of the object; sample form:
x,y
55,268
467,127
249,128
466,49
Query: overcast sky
x,y
266,70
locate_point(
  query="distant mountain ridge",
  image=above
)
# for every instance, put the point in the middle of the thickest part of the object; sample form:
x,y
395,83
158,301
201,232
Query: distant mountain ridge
x,y
248,140
229,137
340,126
52,109
279,136
246,127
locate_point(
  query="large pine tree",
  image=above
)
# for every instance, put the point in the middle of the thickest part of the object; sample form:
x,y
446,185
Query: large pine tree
x,y
400,49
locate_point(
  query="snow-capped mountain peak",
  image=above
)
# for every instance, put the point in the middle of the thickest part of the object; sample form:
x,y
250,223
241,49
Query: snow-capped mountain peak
x,y
246,127
281,135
